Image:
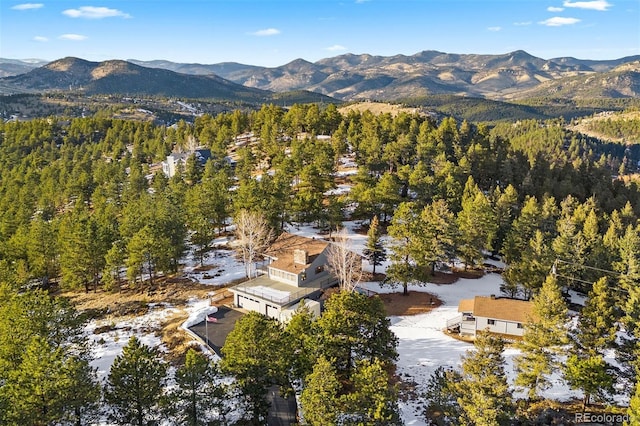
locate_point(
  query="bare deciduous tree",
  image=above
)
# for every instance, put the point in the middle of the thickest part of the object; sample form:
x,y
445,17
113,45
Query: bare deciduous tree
x,y
343,262
253,235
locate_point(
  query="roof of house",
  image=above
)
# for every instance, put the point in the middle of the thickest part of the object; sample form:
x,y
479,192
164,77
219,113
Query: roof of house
x,y
500,308
283,247
466,305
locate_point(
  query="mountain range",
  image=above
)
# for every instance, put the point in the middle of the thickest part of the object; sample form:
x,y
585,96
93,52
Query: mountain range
x,y
510,76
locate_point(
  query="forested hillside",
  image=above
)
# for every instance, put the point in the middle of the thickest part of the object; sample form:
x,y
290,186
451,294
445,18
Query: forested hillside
x,y
85,206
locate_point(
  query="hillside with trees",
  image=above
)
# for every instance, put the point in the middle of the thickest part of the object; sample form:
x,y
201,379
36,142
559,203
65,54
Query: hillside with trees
x,y
86,207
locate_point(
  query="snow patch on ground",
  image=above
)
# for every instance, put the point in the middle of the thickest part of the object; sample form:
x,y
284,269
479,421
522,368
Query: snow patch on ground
x,y
222,265
108,344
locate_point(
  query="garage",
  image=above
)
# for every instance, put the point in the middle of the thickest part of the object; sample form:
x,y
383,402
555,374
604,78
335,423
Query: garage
x,y
248,303
273,312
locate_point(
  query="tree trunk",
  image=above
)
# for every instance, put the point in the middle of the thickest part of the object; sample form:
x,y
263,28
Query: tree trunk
x,y
405,289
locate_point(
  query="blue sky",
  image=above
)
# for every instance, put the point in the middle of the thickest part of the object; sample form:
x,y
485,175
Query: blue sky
x,y
275,32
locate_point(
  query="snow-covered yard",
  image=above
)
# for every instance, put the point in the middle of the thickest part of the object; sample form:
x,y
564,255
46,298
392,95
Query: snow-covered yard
x,y
423,346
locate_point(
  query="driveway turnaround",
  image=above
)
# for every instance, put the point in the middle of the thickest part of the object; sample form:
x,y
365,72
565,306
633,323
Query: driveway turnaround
x,y
215,332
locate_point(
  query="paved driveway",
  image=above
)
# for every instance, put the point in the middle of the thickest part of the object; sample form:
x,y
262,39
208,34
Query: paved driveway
x,y
283,410
215,333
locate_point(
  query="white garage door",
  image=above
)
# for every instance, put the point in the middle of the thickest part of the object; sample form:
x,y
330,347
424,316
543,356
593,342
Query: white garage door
x,y
249,304
273,312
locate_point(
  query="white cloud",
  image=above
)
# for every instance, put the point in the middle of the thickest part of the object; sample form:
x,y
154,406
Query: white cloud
x,y
336,48
494,29
266,32
40,39
601,5
73,37
558,21
91,12
28,6
522,24
555,9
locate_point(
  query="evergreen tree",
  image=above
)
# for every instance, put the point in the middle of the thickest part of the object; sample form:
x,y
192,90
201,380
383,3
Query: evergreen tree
x,y
300,335
374,250
253,355
545,335
373,401
597,323
506,208
320,397
589,374
436,235
114,259
200,396
82,250
628,297
42,249
441,396
524,276
202,205
44,388
634,408
403,268
522,231
354,327
476,224
136,384
147,252
483,393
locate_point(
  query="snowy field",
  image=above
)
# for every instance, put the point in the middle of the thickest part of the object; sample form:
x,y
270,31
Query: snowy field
x,y
423,346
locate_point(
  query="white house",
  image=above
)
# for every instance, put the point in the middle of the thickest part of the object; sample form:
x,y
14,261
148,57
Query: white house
x,y
178,160
499,315
296,270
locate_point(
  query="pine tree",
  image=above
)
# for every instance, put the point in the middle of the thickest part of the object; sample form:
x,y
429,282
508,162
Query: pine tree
x,y
374,250
628,296
300,335
200,206
483,392
253,355
441,396
373,401
543,339
597,323
477,226
589,374
355,327
136,384
200,396
506,205
525,275
634,408
521,232
436,236
49,386
403,268
320,397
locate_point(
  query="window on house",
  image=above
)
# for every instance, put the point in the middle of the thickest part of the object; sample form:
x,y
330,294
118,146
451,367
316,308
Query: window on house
x,y
303,276
491,322
520,325
319,269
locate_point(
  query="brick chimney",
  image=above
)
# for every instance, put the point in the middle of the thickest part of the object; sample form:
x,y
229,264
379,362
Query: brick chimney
x,y
300,257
